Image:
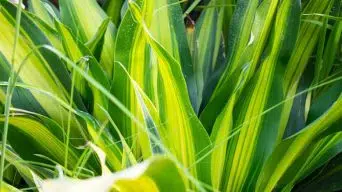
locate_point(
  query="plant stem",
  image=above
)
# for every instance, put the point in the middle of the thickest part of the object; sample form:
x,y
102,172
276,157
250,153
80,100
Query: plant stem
x,y
69,120
9,93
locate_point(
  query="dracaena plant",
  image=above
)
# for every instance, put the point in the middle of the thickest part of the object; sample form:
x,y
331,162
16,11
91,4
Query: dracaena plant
x,y
168,95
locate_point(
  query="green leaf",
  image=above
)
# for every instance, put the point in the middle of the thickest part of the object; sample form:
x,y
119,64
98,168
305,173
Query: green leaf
x,y
155,129
49,31
84,19
151,175
25,169
230,103
207,43
167,28
319,152
235,79
113,9
301,53
79,53
291,149
21,98
131,56
8,188
102,138
301,103
190,139
95,44
325,179
330,51
247,151
39,8
40,68
42,133
134,54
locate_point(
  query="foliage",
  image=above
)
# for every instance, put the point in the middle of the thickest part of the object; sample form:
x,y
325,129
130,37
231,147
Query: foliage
x,y
126,96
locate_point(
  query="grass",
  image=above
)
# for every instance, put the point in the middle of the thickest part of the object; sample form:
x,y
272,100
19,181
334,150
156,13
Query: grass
x,y
125,96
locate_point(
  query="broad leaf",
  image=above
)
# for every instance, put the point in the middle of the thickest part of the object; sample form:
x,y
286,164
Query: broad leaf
x,y
84,18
